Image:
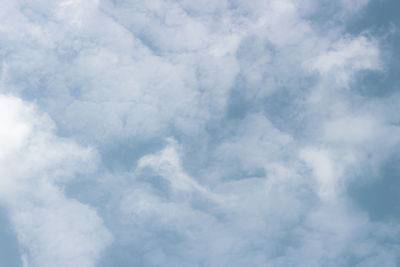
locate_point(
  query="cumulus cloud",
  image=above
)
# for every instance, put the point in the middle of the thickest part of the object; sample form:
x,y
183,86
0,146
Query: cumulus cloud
x,y
222,133
51,228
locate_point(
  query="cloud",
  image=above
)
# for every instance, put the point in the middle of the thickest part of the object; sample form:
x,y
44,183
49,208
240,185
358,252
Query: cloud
x,y
218,133
281,219
347,57
51,228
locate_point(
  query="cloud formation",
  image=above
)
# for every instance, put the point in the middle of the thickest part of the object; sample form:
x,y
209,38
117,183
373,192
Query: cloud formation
x,y
51,228
195,133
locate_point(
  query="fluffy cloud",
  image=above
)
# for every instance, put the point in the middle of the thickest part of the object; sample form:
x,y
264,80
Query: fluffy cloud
x,y
229,133
51,228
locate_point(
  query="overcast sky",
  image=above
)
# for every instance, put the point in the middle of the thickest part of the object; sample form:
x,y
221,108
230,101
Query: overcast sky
x,y
199,133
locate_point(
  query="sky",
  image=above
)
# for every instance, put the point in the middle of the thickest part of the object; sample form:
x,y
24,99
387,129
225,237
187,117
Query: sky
x,y
199,133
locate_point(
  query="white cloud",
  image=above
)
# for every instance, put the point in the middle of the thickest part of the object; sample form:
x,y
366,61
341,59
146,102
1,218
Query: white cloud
x,y
350,130
52,229
324,171
266,186
316,221
256,144
345,58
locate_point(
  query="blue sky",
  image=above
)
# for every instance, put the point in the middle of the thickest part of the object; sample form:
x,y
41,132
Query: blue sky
x,y
199,133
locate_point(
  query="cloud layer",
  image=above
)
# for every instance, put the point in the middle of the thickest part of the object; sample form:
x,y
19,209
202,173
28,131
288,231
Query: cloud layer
x,y
197,133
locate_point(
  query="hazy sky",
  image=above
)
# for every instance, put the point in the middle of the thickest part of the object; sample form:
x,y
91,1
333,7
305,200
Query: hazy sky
x,y
199,133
